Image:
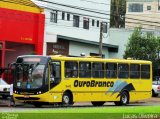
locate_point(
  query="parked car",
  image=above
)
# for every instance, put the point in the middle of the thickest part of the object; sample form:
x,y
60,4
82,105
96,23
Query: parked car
x,y
156,87
4,89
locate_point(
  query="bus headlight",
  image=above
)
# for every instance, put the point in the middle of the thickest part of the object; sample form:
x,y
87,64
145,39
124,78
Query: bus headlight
x,y
39,92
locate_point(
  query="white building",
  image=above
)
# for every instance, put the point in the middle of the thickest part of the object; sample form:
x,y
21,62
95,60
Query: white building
x,y
73,27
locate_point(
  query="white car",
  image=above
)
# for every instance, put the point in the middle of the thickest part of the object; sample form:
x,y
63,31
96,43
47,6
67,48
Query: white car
x,y
155,88
4,89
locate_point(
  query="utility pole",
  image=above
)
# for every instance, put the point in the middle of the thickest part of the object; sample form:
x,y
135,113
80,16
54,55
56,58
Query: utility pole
x,y
100,39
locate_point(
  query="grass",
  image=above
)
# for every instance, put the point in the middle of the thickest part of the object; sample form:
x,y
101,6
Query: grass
x,y
113,109
88,112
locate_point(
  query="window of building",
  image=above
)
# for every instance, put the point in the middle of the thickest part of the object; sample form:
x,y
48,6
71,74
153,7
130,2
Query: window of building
x,y
104,27
134,71
97,23
53,16
71,69
63,16
68,17
111,70
98,70
123,70
145,71
75,21
158,7
148,7
135,7
84,69
85,23
92,22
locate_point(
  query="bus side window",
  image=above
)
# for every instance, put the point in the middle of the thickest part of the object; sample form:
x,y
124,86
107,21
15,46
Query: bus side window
x,y
84,69
111,70
71,69
134,71
98,70
123,70
145,71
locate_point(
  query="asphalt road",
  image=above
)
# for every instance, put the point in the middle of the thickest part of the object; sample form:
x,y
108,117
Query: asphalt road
x,y
22,107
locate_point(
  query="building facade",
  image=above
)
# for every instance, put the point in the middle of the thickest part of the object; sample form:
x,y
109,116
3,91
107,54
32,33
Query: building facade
x,y
73,27
144,13
21,30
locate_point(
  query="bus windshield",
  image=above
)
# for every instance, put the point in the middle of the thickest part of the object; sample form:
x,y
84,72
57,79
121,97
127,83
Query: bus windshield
x,y
29,76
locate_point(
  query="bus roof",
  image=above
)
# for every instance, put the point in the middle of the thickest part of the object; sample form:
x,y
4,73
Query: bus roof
x,y
65,58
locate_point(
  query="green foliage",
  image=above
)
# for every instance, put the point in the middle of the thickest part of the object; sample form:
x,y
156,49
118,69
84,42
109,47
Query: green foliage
x,y
118,10
143,46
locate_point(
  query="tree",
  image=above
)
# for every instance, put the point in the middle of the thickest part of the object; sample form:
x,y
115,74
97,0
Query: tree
x,y
143,46
118,10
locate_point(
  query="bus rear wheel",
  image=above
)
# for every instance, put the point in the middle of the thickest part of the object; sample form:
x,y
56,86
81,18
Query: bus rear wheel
x,y
124,99
99,103
67,99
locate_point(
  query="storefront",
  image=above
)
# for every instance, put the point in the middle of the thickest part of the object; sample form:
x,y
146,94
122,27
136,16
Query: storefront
x,y
21,30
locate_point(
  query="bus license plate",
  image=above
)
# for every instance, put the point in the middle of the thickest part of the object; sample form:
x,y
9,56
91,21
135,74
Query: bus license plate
x,y
26,96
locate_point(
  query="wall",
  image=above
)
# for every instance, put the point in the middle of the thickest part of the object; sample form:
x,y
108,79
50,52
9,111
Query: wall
x,y
148,19
119,37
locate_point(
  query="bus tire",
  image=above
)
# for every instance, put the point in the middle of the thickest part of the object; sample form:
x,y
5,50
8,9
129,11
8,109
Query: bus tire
x,y
99,103
37,104
124,99
67,99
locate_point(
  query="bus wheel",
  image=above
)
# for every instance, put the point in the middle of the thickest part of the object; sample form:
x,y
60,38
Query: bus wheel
x,y
67,99
124,99
99,103
37,104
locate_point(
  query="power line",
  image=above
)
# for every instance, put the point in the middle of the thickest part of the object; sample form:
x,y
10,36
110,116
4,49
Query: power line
x,y
94,2
75,7
61,10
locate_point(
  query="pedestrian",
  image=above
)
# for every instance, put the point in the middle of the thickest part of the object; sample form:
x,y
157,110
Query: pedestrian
x,y
12,102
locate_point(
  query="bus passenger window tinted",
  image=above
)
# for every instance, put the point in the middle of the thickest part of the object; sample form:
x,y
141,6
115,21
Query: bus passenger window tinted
x,y
134,71
84,69
111,70
98,70
123,70
145,71
71,69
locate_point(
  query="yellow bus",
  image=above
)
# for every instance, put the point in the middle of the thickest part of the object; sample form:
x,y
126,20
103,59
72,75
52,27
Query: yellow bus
x,y
64,80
